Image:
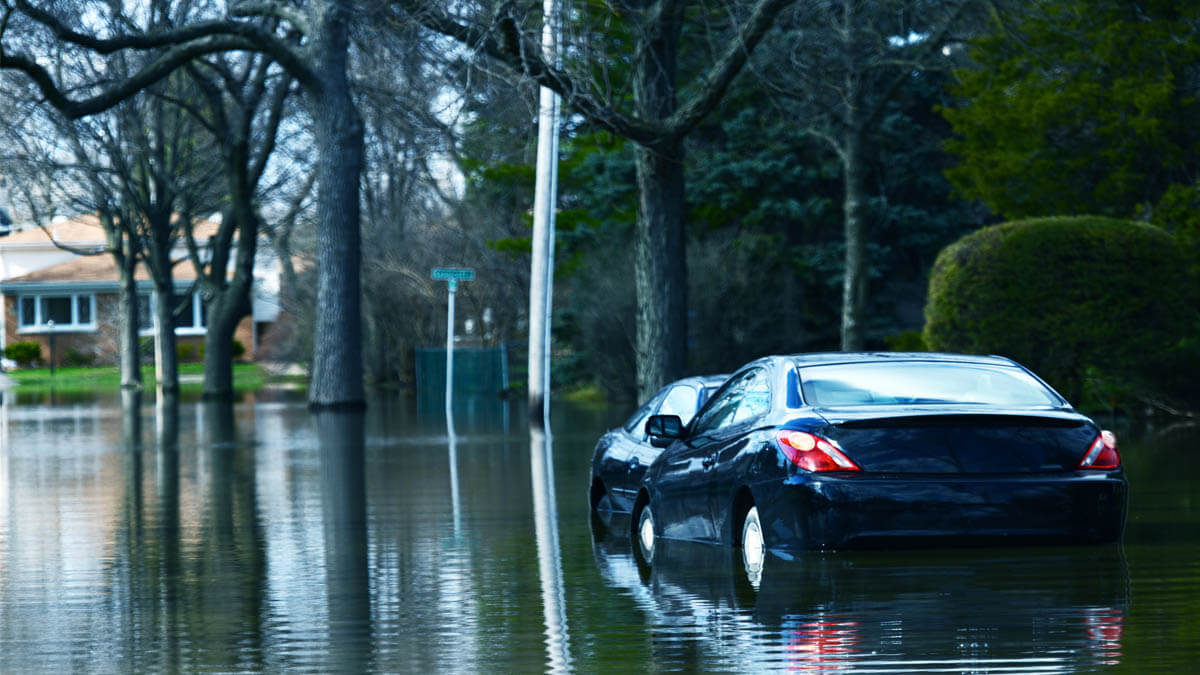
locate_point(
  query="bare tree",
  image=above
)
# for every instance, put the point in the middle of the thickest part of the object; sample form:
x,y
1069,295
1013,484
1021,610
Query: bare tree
x,y
56,163
838,66
319,64
142,168
621,69
245,105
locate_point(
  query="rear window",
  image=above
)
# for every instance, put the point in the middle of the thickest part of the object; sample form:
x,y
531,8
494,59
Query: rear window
x,y
923,383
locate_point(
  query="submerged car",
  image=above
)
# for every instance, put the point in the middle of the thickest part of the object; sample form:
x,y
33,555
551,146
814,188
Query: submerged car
x,y
623,454
841,450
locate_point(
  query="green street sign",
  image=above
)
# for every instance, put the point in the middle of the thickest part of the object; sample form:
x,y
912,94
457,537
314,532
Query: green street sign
x,y
453,274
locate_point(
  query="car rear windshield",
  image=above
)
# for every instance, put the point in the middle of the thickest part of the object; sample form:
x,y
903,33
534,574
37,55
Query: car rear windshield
x,y
922,383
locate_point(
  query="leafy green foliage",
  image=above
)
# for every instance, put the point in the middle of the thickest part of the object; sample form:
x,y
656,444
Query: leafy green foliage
x,y
1068,297
77,359
24,353
1090,107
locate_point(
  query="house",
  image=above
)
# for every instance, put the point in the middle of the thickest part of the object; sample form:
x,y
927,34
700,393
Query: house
x,y
49,292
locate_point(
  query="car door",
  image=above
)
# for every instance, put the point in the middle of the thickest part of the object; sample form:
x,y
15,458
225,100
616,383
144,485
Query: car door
x,y
685,479
729,439
623,461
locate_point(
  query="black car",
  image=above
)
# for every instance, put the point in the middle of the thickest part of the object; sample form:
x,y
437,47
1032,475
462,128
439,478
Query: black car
x,y
623,454
827,451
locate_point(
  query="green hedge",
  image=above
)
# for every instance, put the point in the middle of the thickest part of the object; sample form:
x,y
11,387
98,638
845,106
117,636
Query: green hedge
x,y
1073,298
24,353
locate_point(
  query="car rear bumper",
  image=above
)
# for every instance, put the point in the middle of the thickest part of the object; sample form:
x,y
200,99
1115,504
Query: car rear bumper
x,y
850,511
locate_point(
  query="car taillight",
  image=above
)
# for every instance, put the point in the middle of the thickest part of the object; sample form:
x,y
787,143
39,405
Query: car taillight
x,y
1102,453
813,453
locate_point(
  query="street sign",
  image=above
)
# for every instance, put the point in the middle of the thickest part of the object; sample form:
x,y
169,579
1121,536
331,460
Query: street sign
x,y
453,274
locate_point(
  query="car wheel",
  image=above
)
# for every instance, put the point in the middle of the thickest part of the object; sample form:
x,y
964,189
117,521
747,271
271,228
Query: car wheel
x,y
754,549
644,533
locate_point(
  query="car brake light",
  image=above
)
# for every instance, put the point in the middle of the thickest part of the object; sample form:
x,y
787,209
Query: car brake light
x,y
813,453
1102,453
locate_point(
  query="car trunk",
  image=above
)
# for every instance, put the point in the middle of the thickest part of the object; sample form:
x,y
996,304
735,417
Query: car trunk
x,y
938,441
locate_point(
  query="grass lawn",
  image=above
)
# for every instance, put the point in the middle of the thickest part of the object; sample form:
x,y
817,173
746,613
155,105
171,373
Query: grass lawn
x,y
246,377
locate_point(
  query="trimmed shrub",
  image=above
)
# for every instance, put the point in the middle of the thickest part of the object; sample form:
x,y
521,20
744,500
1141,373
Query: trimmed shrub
x,y
239,349
1075,299
77,359
907,341
24,353
189,352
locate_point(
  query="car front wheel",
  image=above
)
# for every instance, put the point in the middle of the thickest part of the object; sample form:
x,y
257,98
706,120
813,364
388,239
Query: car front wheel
x,y
644,533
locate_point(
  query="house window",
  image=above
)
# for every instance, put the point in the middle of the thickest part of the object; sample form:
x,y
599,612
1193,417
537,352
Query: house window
x,y
145,313
68,312
191,319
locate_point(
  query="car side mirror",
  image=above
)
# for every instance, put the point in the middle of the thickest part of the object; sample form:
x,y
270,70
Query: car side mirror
x,y
664,429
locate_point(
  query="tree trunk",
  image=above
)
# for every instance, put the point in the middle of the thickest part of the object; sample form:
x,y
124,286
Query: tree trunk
x,y
660,269
128,320
854,278
166,356
229,301
224,311
337,369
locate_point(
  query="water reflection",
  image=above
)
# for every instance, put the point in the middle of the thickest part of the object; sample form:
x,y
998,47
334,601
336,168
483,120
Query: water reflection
x,y
343,492
182,536
1000,610
545,515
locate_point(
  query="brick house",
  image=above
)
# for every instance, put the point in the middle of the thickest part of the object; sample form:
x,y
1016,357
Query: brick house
x,y
48,291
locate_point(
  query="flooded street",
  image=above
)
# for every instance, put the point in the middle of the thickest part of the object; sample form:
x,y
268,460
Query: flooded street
x,y
266,538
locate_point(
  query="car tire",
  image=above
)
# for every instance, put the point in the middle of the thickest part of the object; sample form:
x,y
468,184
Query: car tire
x,y
754,549
644,534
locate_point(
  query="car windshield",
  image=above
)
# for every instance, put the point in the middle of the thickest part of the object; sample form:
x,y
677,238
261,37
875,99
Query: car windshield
x,y
923,382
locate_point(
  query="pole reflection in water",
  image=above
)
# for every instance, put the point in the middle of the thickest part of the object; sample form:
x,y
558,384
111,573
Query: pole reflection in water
x,y
545,515
344,504
455,502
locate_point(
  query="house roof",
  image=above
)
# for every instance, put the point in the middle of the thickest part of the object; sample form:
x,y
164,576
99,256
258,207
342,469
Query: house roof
x,y
85,229
83,273
92,270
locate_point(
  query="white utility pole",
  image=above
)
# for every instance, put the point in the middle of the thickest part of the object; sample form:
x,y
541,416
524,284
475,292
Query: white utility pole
x,y
452,285
545,197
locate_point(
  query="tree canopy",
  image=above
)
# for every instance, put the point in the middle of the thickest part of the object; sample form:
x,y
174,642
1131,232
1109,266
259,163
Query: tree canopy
x,y
1082,107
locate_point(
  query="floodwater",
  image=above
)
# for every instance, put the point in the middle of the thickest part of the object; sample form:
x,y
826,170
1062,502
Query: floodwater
x,y
194,537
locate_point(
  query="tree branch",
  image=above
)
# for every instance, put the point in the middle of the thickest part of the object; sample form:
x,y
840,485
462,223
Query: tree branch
x,y
265,8
164,65
520,53
258,164
726,69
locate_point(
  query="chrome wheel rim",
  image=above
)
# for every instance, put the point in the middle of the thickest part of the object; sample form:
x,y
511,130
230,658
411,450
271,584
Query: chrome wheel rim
x,y
753,546
646,531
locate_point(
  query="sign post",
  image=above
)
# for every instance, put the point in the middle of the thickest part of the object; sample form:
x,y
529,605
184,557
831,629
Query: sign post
x,y
451,275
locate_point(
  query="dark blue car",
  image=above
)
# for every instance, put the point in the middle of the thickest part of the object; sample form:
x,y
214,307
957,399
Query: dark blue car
x,y
839,450
623,454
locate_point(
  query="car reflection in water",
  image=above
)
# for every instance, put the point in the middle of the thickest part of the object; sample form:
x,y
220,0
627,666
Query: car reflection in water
x,y
1022,609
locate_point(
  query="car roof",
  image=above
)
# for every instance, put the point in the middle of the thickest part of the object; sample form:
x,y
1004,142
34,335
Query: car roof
x,y
706,381
828,358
